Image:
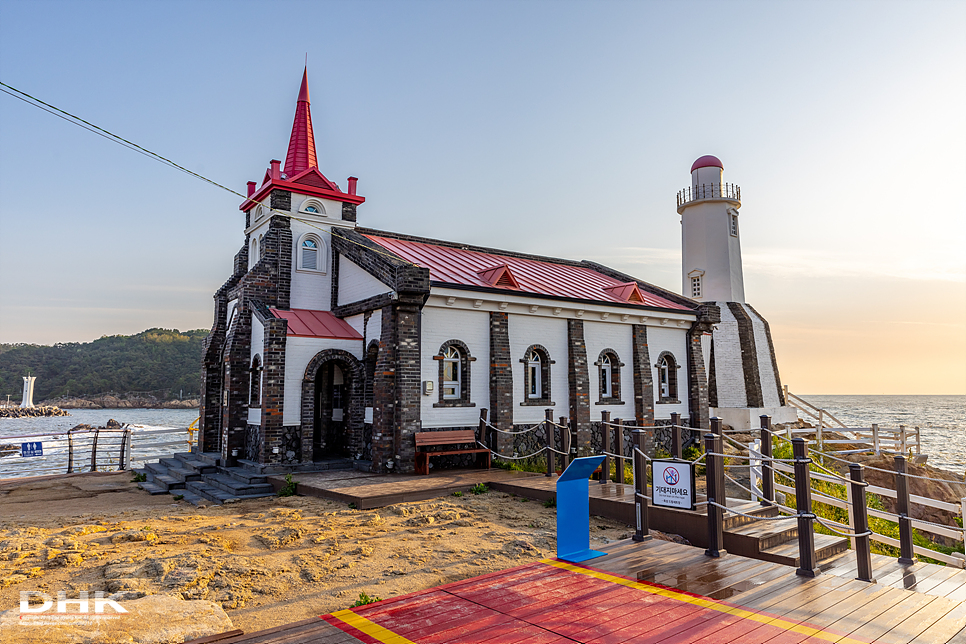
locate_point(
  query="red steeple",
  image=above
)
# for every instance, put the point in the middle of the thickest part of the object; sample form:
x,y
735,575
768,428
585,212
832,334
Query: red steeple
x,y
301,147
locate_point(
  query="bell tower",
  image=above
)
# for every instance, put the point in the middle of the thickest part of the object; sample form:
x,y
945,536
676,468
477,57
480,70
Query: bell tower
x,y
710,236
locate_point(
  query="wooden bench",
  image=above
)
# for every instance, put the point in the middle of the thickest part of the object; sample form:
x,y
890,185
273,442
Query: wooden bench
x,y
449,442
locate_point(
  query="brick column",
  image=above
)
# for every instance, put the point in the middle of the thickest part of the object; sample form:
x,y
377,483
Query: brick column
x,y
643,377
384,395
273,393
697,378
578,379
501,381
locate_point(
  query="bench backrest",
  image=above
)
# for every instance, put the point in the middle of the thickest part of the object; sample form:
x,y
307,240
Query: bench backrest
x,y
451,437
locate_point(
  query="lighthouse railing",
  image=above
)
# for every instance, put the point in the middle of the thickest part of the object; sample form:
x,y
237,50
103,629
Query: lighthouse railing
x,y
709,191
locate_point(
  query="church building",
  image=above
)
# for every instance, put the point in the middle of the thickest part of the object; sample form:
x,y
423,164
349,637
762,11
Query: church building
x,y
334,340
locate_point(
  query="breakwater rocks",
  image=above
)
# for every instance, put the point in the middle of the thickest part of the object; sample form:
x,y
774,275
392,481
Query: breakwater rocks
x,y
32,412
110,401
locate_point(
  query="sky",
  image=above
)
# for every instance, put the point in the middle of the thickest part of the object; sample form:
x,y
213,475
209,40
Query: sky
x,y
561,128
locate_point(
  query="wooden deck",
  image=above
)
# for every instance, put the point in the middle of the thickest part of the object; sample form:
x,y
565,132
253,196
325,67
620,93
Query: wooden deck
x,y
652,592
369,491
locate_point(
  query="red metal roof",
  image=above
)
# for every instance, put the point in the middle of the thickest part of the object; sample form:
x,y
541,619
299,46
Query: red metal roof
x,y
304,323
475,268
301,145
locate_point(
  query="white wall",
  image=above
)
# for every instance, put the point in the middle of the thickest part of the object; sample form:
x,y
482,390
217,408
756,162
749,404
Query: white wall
x,y
619,337
356,284
551,333
298,353
674,340
369,331
728,369
473,329
708,245
310,289
766,370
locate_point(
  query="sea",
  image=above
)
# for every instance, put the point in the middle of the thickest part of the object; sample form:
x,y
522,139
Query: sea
x,y
942,420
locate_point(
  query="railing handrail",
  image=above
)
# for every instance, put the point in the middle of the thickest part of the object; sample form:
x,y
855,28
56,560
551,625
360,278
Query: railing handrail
x,y
721,190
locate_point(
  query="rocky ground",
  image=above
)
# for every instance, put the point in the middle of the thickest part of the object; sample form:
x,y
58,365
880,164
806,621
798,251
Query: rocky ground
x,y
31,412
266,562
123,401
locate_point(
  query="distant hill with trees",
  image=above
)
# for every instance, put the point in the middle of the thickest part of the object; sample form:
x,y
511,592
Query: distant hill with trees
x,y
163,362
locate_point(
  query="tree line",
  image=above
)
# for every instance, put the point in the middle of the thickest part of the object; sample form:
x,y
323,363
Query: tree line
x,y
162,362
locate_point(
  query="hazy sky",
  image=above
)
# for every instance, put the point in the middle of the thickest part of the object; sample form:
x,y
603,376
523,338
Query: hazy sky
x,y
561,128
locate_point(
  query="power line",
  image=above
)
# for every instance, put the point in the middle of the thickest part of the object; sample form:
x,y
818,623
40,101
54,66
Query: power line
x,y
110,136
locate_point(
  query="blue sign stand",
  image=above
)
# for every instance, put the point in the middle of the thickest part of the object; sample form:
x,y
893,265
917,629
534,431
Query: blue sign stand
x,y
573,510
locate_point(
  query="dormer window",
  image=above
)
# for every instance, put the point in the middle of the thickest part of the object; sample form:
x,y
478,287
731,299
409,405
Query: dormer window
x,y
311,254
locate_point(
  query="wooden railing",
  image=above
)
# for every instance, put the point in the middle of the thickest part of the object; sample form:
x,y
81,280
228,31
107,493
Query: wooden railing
x,y
89,450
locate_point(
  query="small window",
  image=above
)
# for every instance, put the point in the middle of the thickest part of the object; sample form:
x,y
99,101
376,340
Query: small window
x,y
311,209
696,287
536,376
609,371
255,384
253,254
313,206
534,384
454,374
667,378
734,225
606,370
261,246
451,374
311,253
259,213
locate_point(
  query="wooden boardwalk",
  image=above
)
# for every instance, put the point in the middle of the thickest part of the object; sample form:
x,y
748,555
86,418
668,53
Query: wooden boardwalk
x,y
369,491
648,593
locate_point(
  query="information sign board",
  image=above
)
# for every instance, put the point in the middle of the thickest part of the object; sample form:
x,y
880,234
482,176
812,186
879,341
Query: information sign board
x,y
673,484
31,449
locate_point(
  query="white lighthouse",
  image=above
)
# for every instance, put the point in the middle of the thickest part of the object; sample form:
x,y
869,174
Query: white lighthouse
x,y
710,240
739,355
28,392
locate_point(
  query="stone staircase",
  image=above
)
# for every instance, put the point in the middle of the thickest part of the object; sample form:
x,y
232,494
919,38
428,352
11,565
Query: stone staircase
x,y
201,478
774,541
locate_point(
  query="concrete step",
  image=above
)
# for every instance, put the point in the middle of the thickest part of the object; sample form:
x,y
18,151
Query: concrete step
x,y
236,487
243,474
192,498
184,474
152,488
825,546
167,482
217,495
156,469
211,458
766,534
191,461
170,462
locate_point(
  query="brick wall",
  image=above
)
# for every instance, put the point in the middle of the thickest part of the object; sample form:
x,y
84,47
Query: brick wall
x,y
749,355
578,380
643,377
501,382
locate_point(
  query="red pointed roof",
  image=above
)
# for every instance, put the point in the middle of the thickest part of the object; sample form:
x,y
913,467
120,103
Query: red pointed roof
x,y
301,145
499,276
305,323
627,291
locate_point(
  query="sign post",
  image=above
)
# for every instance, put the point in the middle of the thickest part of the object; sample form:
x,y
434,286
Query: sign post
x,y
673,484
573,510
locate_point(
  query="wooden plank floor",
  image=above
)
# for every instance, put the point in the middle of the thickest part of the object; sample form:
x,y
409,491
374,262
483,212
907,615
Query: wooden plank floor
x,y
369,491
654,592
927,578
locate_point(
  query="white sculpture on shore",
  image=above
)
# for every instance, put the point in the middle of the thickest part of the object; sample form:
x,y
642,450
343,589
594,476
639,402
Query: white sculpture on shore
x,y
28,392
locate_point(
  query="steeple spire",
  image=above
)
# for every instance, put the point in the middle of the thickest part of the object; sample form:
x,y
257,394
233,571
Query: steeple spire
x,y
301,146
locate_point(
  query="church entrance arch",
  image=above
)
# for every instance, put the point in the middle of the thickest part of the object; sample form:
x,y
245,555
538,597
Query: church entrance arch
x,y
332,406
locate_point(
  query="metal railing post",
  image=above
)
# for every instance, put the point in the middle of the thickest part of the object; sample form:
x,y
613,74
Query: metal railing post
x,y
565,442
863,552
906,553
715,514
548,425
94,452
676,449
767,469
807,566
619,446
120,465
605,437
70,451
640,487
875,438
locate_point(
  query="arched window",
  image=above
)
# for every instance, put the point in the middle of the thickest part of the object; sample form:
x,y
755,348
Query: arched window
x,y
454,374
255,384
311,254
312,206
667,378
606,370
609,372
451,374
536,376
253,254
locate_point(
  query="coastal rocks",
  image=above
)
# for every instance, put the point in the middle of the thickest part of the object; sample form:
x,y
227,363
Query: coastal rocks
x,y
44,411
155,619
123,401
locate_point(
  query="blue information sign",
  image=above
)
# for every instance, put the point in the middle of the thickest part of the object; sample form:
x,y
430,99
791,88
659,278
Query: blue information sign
x,y
31,449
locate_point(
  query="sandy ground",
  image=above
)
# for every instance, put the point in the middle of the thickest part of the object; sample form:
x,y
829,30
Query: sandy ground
x,y
267,562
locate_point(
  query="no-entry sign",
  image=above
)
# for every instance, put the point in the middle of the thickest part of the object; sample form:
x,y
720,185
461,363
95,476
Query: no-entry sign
x,y
673,484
